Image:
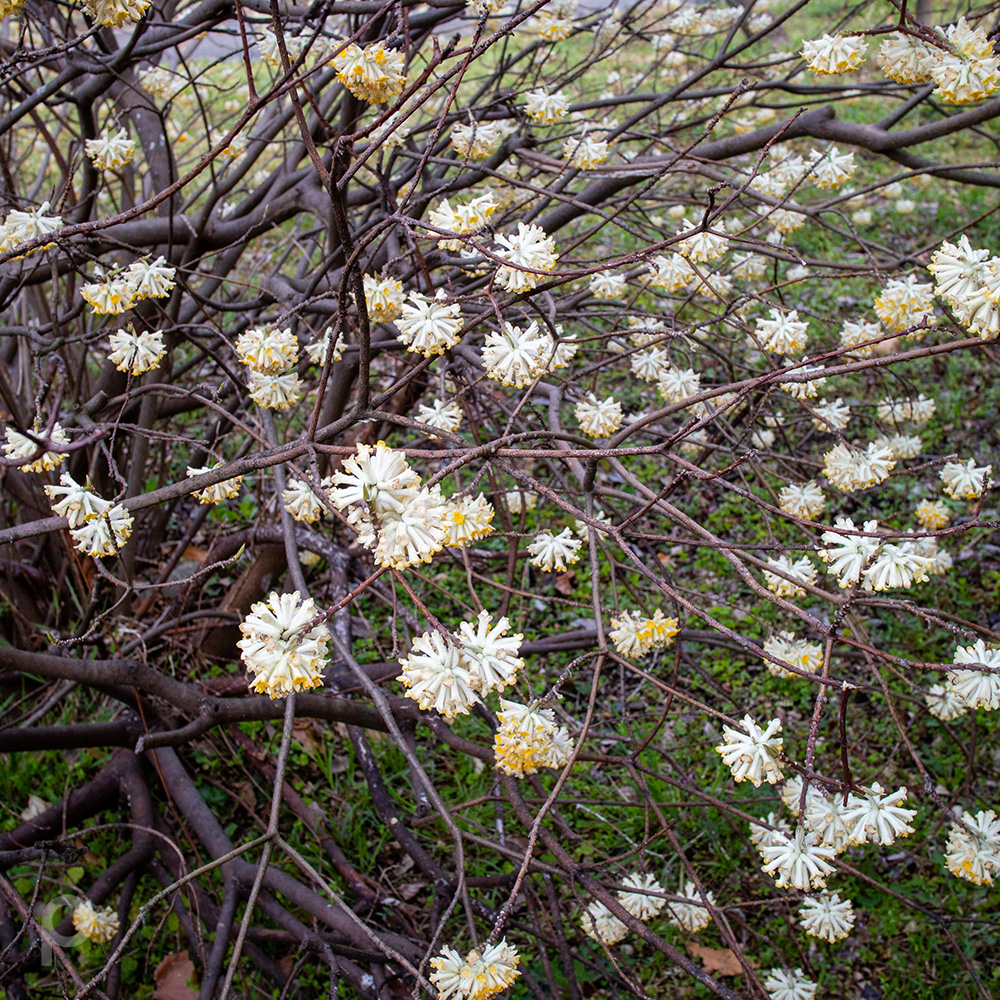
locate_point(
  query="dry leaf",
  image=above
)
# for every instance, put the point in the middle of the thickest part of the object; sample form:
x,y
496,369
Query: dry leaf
x,y
564,583
720,960
302,734
173,976
245,793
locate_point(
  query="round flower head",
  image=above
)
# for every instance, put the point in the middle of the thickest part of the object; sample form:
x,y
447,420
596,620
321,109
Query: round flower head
x,y
585,152
672,273
827,917
108,298
641,905
977,688
150,280
78,504
268,350
973,851
468,520
807,389
477,139
801,571
468,218
529,738
702,247
374,73
104,535
554,552
383,298
753,755
804,500
437,677
783,333
429,326
415,533
854,335
964,481
379,477
600,924
301,502
944,704
849,554
677,384
544,107
20,447
218,492
831,416
834,54
136,352
905,59
958,270
896,566
442,415
607,285
114,13
479,976
109,151
783,985
95,923
598,418
279,650
833,169
489,654
825,816
693,916
850,469
799,861
877,818
797,652
274,392
528,248
905,303
517,356
317,349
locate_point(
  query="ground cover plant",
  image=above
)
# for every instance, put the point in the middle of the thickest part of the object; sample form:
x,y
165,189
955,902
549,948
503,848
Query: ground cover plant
x,y
498,499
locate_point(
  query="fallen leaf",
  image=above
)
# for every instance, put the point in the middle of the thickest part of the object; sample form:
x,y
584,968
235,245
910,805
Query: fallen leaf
x,y
301,733
720,960
173,977
407,892
564,583
245,793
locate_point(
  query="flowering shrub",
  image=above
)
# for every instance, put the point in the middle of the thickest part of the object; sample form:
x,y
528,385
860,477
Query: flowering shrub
x,y
499,499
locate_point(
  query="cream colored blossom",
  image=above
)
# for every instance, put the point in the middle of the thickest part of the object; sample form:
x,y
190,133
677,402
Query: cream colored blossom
x,y
834,53
374,73
218,492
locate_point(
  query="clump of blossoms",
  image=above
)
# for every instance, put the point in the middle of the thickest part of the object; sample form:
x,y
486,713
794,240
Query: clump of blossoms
x,y
877,818
585,152
803,500
468,218
478,976
971,72
635,634
445,416
383,298
601,925
78,504
692,916
301,501
105,534
529,738
702,247
528,248
799,860
799,653
783,333
833,169
973,850
976,688
905,303
544,107
855,336
598,417
517,356
374,73
834,54
114,13
826,916
269,353
606,285
451,673
136,352
95,923
754,755
851,469
970,284
20,226
784,985
317,349
477,139
848,555
671,273
637,901
801,571
119,292
964,481
19,447
551,552
217,492
279,648
429,326
110,151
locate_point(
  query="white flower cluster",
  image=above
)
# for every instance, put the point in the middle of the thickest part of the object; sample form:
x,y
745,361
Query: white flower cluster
x,y
551,552
95,923
636,634
280,649
271,355
98,527
752,755
110,151
136,352
973,851
121,290
400,523
529,738
800,653
450,673
478,976
373,73
20,226
19,447
217,492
